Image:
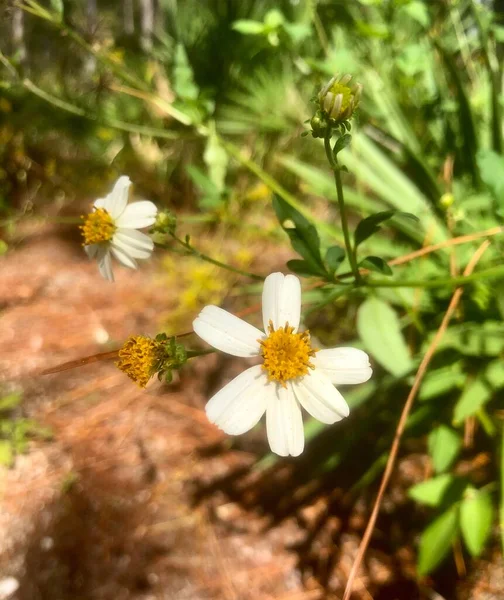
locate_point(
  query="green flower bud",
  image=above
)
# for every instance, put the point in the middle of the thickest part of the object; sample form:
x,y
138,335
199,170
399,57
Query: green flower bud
x,y
338,100
447,200
166,222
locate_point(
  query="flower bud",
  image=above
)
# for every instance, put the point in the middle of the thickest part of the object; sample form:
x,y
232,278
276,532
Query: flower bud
x,y
338,100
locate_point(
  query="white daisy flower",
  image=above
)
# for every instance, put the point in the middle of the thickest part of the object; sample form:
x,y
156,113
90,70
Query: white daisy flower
x,y
111,229
292,373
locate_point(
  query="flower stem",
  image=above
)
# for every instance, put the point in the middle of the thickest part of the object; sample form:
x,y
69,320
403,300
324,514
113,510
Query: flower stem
x,y
194,252
333,161
496,272
196,353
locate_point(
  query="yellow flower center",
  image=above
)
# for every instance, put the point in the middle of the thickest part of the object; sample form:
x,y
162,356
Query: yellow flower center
x,y
345,91
286,354
139,358
98,227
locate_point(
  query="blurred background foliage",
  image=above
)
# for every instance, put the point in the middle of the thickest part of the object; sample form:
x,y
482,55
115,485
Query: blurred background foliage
x,y
203,104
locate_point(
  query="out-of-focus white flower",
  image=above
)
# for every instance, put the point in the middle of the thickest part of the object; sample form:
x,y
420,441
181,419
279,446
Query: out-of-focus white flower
x,y
8,586
111,229
292,373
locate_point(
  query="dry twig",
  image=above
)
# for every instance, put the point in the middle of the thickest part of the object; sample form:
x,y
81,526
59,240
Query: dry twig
x,y
404,417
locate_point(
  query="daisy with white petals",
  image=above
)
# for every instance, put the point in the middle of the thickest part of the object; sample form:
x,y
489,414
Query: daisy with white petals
x,y
292,373
111,229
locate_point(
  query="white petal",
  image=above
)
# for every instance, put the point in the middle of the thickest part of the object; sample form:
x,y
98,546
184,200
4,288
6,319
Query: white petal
x,y
344,365
105,264
138,215
284,423
133,242
116,201
320,398
92,250
281,301
123,257
238,406
227,333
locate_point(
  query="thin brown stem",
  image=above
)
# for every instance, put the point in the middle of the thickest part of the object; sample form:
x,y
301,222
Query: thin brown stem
x,y
403,419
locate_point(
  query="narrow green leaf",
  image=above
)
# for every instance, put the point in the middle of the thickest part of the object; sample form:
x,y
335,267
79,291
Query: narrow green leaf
x,y
379,328
491,168
432,491
341,143
335,255
436,541
444,445
183,76
217,160
58,7
377,264
368,226
476,518
303,268
303,235
249,27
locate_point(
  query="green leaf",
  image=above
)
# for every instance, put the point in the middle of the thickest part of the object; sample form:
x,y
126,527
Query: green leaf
x,y
444,445
476,518
432,491
473,339
3,247
249,27
6,454
474,396
212,198
184,84
379,328
491,168
10,401
335,255
418,11
217,160
341,143
58,7
301,267
303,235
370,225
274,18
375,263
440,381
479,391
436,541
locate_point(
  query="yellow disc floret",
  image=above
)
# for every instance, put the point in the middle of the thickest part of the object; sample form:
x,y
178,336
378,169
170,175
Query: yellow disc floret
x,y
139,358
98,227
286,354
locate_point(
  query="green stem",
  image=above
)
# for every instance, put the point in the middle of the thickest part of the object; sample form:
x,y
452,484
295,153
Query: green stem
x,y
333,161
490,273
196,353
194,252
501,507
274,186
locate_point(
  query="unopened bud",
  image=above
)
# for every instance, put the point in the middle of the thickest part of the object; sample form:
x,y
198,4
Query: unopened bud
x,y
338,100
